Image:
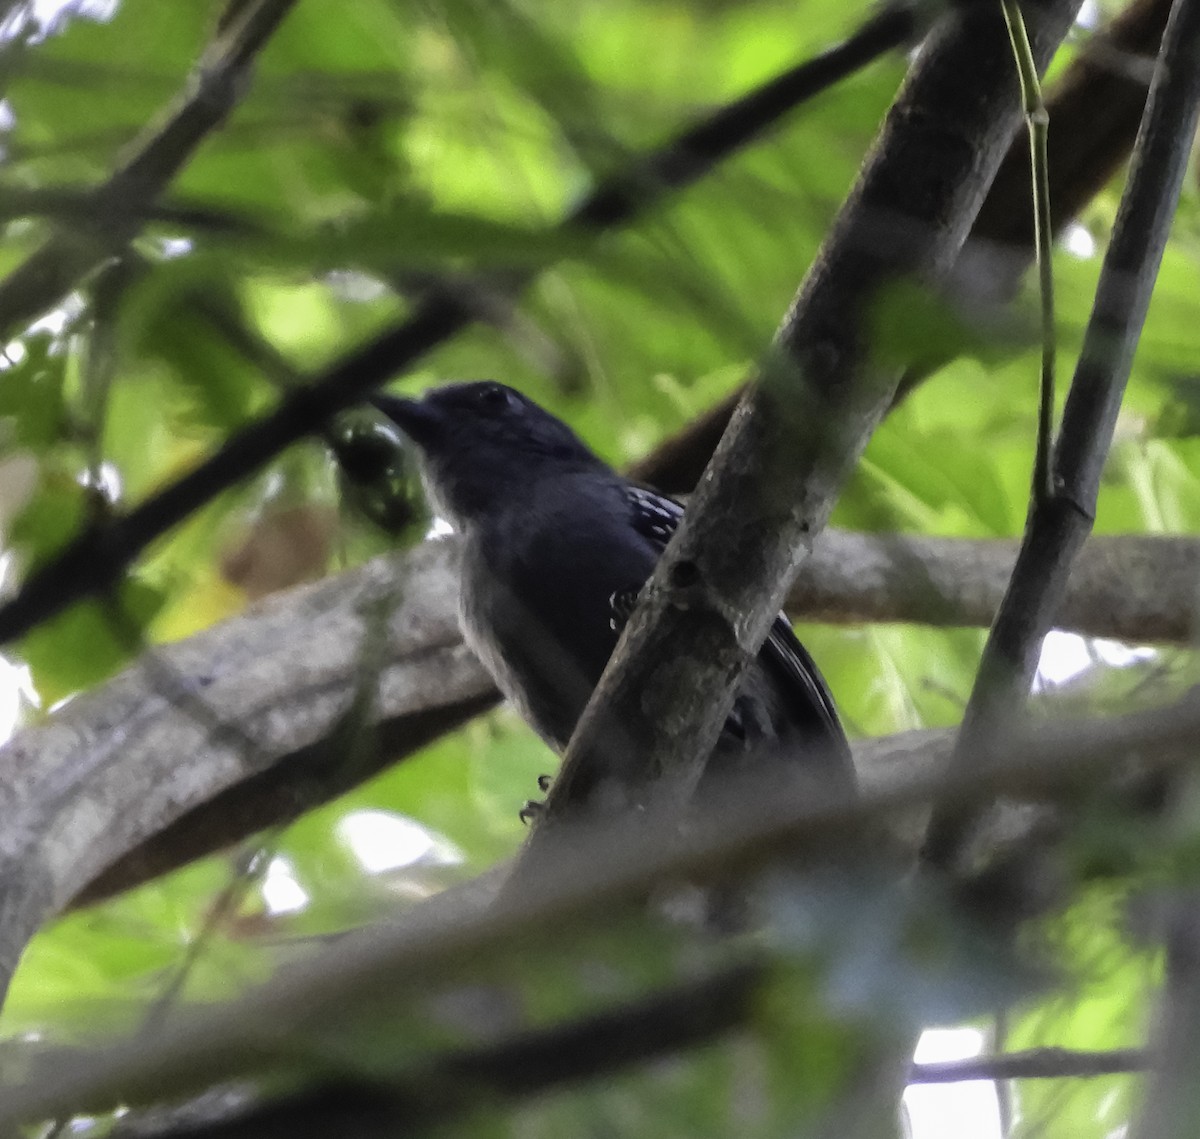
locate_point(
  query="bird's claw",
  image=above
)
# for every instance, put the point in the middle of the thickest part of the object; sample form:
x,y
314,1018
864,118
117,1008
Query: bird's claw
x,y
621,605
534,807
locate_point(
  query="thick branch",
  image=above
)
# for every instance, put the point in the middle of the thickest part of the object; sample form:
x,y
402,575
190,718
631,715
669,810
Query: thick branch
x,y
1135,588
1095,107
1173,1093
1130,587
95,560
174,734
1060,522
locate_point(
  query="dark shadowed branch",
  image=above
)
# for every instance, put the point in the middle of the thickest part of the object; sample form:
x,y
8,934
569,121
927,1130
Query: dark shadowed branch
x,y
458,1082
94,561
1035,1064
682,1018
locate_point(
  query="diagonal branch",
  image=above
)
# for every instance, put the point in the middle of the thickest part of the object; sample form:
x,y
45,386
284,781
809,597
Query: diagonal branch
x,y
94,561
1059,524
1096,106
217,83
669,687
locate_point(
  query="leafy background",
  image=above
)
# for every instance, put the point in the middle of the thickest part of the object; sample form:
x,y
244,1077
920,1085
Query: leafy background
x,y
380,142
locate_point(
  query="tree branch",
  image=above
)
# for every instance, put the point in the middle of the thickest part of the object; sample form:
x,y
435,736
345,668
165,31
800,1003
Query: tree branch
x,y
216,84
1034,1064
1172,1095
638,1031
1135,588
460,1081
1059,523
1095,106
94,561
104,776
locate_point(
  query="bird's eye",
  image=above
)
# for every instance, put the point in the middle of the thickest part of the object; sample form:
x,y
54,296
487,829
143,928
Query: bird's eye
x,y
494,398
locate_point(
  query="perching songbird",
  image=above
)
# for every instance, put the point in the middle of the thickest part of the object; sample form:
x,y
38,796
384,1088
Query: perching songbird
x,y
556,547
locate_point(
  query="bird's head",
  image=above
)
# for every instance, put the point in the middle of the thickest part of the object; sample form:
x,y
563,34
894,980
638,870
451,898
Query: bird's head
x,y
483,445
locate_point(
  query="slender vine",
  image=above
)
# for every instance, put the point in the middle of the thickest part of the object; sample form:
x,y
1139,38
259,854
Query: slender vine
x,y
1037,121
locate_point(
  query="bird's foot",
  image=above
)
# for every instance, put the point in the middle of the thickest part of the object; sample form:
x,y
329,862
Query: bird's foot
x,y
747,722
534,807
621,605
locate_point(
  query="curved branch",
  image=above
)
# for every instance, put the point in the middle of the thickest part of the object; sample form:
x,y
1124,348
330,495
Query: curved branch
x,y
118,766
1136,588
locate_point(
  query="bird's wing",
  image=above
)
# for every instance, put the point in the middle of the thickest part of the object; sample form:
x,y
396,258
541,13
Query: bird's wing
x,y
656,518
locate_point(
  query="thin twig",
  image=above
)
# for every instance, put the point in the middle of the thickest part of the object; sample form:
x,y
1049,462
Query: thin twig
x,y
1038,121
1034,1064
250,866
1058,528
216,84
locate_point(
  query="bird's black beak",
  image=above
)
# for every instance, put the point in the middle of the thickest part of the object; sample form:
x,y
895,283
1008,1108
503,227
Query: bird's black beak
x,y
420,422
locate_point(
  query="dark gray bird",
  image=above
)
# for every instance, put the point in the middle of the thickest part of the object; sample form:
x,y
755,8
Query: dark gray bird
x,y
556,547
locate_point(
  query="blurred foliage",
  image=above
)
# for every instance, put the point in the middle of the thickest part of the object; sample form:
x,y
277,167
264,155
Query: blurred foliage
x,y
380,146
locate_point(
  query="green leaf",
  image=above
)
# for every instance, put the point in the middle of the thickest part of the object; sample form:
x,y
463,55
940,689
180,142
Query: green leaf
x,y
31,392
89,641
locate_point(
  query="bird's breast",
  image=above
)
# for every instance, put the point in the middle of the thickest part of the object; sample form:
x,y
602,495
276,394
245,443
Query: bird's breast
x,y
534,607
